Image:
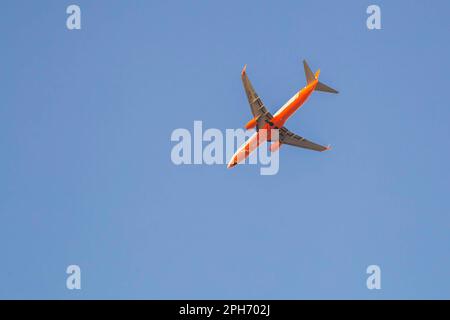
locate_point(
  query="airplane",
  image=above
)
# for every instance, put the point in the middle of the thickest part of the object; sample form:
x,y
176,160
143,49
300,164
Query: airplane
x,y
263,119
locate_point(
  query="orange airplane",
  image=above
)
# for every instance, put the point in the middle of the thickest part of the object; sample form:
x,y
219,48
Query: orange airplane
x,y
263,119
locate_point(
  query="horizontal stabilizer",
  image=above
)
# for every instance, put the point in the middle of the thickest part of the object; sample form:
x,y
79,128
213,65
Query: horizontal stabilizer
x,y
324,88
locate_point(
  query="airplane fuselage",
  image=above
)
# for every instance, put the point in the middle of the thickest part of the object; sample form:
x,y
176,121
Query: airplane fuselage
x,y
278,121
293,104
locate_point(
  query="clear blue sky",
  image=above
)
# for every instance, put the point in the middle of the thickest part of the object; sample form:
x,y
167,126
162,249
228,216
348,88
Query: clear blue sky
x,y
86,176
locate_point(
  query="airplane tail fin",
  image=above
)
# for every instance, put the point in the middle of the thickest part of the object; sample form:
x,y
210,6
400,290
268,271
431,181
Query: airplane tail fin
x,y
310,77
308,73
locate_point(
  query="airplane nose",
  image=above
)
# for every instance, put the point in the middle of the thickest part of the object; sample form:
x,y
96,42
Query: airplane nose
x,y
232,163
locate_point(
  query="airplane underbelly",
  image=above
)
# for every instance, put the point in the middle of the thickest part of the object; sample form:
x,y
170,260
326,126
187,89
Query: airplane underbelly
x,y
289,108
247,148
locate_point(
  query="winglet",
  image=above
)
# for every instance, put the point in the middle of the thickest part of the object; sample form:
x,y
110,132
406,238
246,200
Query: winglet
x,y
243,70
327,148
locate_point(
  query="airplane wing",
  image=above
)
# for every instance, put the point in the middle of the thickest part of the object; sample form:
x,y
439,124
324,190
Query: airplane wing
x,y
287,137
257,107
